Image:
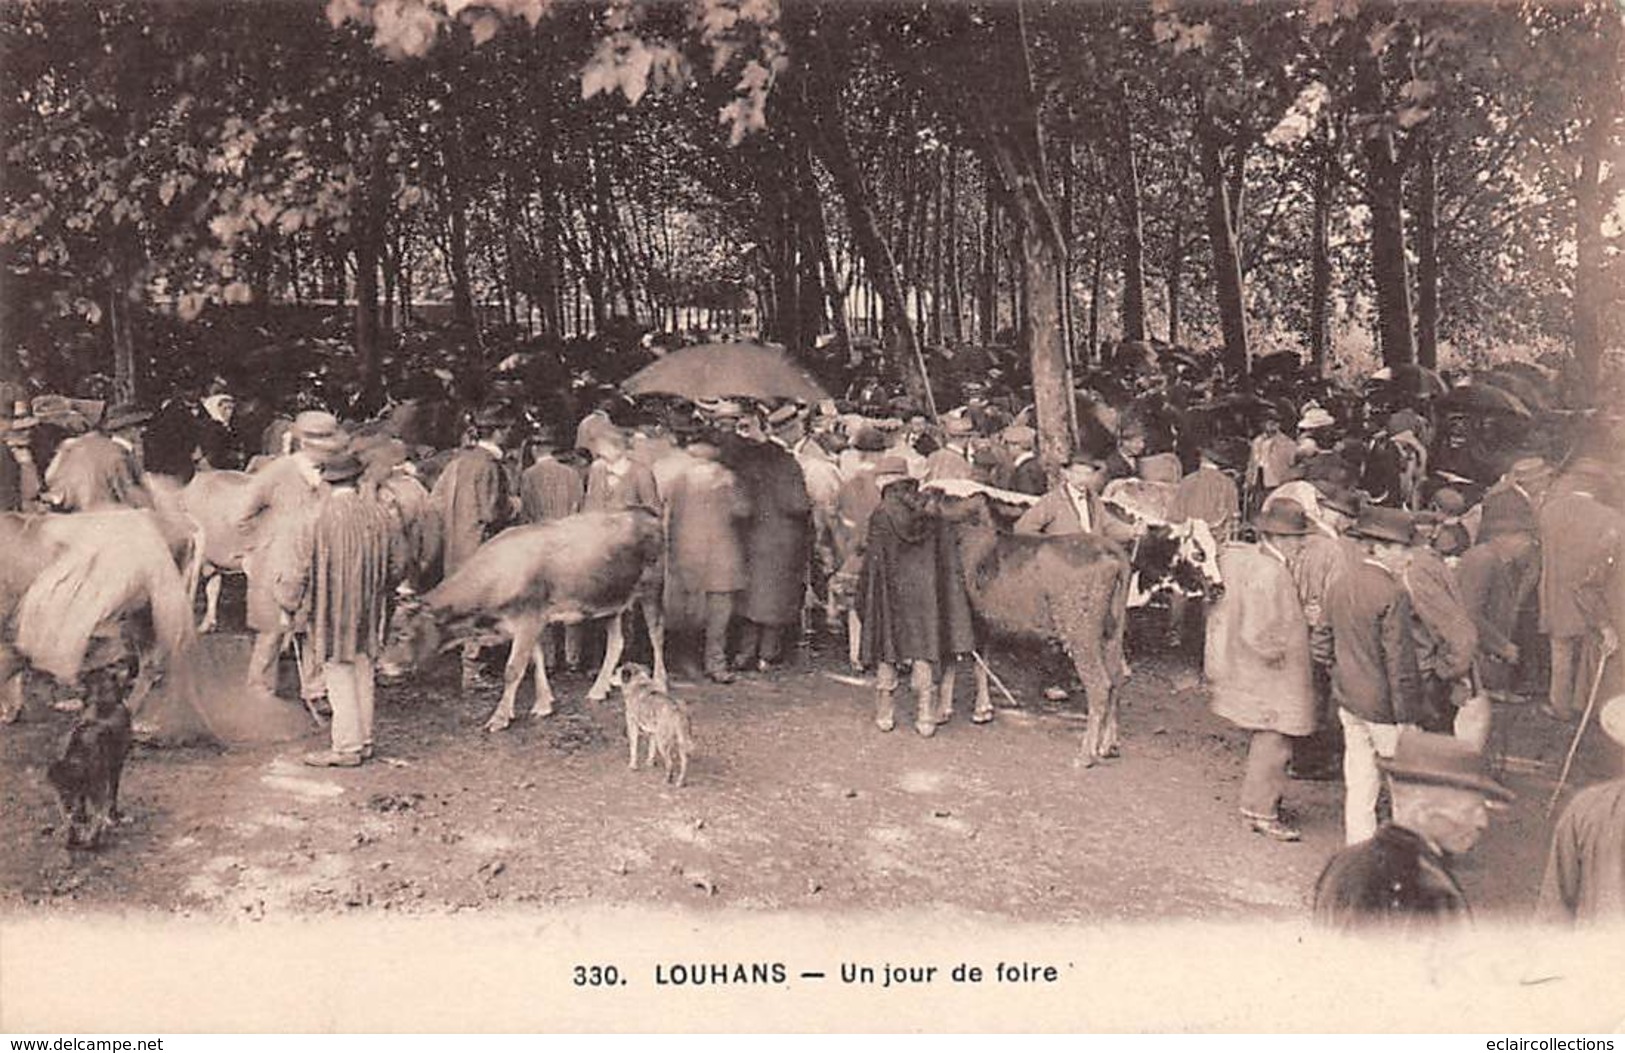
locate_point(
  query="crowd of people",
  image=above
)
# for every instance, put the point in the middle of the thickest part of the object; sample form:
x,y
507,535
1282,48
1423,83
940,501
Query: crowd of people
x,y
1391,576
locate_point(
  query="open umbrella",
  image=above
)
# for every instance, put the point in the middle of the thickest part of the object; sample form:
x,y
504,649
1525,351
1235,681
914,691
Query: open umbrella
x,y
718,371
1530,389
1483,398
1416,381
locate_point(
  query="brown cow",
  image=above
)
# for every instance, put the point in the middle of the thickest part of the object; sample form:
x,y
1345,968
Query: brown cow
x,y
579,568
1072,590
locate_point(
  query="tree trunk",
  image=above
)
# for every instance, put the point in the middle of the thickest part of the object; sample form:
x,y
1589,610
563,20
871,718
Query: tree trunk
x,y
1599,181
1427,254
122,300
367,208
987,306
1133,227
956,292
1225,240
903,350
1385,192
1320,263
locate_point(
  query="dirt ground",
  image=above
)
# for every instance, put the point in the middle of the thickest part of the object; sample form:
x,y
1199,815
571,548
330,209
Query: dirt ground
x,y
794,801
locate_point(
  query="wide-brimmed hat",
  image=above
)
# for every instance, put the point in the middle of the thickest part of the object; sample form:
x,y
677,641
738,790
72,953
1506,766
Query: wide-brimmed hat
x,y
495,415
315,424
958,426
1018,435
319,431
1612,718
344,468
1337,498
890,424
890,470
380,453
1315,417
783,415
870,440
1282,517
1441,760
1385,524
125,415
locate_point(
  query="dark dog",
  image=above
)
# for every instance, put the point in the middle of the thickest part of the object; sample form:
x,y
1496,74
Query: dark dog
x,y
86,778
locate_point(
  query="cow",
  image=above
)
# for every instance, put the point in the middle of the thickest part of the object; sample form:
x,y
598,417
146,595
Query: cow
x,y
575,569
214,503
1071,590
69,579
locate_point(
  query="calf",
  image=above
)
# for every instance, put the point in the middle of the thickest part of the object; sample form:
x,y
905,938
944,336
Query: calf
x,y
1071,590
579,568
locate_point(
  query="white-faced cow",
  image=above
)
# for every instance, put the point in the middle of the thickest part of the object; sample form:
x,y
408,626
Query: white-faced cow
x,y
1071,590
579,568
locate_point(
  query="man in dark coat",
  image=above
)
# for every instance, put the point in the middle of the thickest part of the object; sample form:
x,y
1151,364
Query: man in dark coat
x,y
1400,877
778,543
475,502
911,594
1375,678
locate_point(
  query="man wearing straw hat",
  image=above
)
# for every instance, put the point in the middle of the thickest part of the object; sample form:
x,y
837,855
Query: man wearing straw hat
x,y
1400,876
281,499
1585,871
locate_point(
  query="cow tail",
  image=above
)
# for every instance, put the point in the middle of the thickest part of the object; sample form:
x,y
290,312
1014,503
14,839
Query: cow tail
x,y
193,571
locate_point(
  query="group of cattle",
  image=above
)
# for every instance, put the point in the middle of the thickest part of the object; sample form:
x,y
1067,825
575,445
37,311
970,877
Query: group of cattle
x,y
1070,591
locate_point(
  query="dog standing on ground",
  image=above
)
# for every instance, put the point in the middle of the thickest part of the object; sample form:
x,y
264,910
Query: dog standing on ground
x,y
651,712
86,778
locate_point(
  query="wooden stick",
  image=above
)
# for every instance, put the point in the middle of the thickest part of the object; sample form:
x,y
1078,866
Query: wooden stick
x,y
991,675
1574,747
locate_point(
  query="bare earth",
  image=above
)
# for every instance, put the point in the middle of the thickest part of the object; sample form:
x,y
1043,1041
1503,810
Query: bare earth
x,y
795,801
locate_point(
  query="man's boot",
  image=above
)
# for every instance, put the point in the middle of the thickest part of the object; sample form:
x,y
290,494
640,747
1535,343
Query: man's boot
x,y
925,699
885,701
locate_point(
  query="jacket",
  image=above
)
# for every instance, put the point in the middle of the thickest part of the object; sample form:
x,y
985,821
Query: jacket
x,y
1579,540
1374,670
282,497
1054,514
1257,656
351,557
472,496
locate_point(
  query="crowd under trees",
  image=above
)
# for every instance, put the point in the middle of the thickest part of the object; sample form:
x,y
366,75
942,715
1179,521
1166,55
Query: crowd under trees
x,y
1408,182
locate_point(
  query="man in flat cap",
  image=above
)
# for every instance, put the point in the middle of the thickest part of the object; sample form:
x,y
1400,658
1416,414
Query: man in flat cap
x,y
1400,877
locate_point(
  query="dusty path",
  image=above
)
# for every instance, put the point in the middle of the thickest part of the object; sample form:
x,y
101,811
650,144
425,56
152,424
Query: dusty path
x,y
794,801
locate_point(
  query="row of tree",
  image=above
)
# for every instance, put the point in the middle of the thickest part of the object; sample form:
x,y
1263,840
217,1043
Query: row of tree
x,y
1436,175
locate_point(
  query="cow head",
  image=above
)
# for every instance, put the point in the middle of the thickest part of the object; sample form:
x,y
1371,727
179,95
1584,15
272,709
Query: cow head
x,y
1178,557
414,637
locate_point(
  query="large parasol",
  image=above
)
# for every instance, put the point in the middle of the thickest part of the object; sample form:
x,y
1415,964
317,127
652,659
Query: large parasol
x,y
720,371
1483,398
